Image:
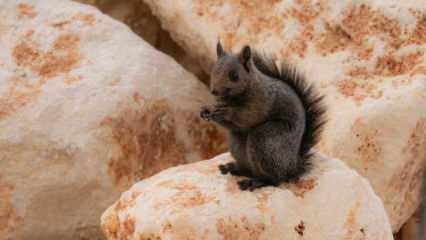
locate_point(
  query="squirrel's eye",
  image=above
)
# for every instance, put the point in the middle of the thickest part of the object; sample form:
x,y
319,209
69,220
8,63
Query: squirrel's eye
x,y
233,75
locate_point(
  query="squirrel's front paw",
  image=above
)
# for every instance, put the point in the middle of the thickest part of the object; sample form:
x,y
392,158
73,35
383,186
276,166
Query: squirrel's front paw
x,y
223,168
205,113
220,113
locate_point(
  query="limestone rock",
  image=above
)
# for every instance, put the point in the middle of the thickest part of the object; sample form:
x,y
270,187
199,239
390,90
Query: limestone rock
x,y
413,229
367,58
86,109
133,13
137,15
195,201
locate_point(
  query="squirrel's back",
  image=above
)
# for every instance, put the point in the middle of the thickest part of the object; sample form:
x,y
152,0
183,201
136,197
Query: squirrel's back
x,y
311,100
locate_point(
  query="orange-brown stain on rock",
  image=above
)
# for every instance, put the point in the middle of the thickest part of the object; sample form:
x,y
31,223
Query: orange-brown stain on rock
x,y
186,195
129,226
25,11
239,229
361,72
419,70
134,196
137,98
114,229
359,88
359,23
20,93
351,219
400,182
351,223
183,230
409,179
111,227
60,59
26,54
87,19
262,200
63,57
336,39
177,185
305,13
120,205
368,146
248,19
416,145
127,203
207,139
418,36
389,65
9,220
146,141
149,237
302,186
333,40
297,46
362,21
72,79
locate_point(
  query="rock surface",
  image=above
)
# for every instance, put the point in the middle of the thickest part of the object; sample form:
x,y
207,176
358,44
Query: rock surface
x,y
367,57
195,201
86,109
137,15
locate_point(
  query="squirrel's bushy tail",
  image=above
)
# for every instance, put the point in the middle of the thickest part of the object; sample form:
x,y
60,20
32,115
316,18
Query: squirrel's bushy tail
x,y
312,101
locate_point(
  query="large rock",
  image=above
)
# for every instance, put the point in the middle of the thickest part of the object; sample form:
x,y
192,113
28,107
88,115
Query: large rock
x,y
137,15
367,57
414,228
195,201
86,109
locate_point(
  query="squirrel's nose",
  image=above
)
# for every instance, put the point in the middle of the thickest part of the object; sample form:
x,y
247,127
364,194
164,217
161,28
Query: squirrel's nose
x,y
215,93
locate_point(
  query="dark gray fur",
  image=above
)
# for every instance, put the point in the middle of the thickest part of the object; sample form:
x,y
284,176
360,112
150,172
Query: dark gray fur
x,y
273,117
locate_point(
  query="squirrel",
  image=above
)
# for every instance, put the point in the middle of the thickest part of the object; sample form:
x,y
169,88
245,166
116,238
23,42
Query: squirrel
x,y
273,116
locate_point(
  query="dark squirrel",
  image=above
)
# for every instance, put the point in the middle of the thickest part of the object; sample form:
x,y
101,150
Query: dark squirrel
x,y
273,115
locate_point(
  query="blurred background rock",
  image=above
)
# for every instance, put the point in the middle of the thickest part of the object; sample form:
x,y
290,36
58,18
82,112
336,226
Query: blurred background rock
x,y
137,15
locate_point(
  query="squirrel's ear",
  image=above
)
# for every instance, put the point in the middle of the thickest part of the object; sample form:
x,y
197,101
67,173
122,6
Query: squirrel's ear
x,y
244,57
219,50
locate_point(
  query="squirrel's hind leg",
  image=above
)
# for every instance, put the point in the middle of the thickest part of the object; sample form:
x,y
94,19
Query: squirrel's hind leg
x,y
254,183
272,149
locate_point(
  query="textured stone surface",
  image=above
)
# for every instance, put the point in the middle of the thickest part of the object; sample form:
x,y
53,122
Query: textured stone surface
x,y
412,229
137,15
195,201
86,109
367,57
